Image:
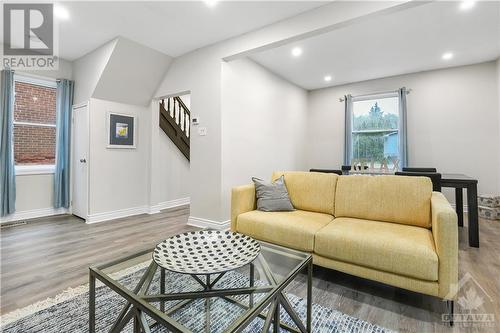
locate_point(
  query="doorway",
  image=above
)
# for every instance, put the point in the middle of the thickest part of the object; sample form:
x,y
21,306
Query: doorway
x,y
80,160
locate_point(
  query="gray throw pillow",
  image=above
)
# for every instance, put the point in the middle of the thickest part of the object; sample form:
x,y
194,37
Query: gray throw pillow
x,y
272,197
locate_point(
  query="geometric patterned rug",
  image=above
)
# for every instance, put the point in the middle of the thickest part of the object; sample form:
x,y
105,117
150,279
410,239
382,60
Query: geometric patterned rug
x,y
68,312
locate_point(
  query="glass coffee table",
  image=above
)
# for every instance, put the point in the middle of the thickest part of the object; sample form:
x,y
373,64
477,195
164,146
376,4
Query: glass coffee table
x,y
153,299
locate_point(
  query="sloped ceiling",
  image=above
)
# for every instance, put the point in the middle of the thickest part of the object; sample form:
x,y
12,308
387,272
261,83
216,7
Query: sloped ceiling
x,y
132,74
120,71
88,69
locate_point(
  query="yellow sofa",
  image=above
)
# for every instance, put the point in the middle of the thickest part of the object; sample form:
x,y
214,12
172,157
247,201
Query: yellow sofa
x,y
391,229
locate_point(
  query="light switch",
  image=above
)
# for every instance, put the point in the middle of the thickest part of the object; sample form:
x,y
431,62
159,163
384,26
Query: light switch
x,y
202,131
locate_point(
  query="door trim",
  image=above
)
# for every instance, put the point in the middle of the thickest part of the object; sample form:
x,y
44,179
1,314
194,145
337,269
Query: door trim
x,y
87,180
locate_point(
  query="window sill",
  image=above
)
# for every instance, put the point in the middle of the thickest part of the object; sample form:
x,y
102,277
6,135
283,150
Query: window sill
x,y
23,170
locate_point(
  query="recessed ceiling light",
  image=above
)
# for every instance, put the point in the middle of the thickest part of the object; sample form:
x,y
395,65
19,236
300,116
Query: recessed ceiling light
x,y
211,3
466,5
61,13
327,78
447,56
296,51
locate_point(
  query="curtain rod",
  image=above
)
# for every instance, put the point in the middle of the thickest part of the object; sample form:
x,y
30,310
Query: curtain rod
x,y
342,99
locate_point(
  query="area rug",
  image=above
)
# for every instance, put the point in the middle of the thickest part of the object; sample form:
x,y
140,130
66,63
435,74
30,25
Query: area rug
x,y
68,312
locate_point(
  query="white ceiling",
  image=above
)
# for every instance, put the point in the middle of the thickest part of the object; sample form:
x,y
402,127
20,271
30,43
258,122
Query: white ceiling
x,y
404,42
173,28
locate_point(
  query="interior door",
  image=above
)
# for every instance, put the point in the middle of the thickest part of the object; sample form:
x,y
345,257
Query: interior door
x,y
80,160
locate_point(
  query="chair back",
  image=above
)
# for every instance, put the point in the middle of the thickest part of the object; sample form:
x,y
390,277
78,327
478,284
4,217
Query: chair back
x,y
338,172
431,170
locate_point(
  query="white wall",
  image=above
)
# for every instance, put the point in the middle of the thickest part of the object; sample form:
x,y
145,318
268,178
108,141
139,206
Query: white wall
x,y
65,71
174,171
263,125
452,121
200,73
118,177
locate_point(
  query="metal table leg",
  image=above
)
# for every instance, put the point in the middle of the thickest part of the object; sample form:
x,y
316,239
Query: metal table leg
x,y
91,302
459,205
309,296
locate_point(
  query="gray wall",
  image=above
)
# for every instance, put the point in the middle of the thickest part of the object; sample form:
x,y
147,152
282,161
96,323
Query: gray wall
x,y
453,121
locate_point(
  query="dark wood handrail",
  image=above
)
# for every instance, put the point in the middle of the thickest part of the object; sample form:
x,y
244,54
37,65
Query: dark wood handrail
x,y
179,100
175,122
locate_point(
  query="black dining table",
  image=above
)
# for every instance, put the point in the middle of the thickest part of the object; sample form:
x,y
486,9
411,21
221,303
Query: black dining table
x,y
459,182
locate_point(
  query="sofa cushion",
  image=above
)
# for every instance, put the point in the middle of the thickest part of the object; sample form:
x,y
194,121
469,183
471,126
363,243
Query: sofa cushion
x,y
291,229
311,191
390,247
397,199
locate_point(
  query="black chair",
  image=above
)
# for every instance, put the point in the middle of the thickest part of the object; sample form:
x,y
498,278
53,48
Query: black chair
x,y
431,170
434,176
338,172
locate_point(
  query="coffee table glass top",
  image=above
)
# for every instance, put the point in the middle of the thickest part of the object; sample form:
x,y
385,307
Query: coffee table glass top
x,y
218,302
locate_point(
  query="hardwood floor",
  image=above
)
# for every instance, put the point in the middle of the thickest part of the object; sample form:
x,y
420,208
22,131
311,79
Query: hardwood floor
x,y
48,255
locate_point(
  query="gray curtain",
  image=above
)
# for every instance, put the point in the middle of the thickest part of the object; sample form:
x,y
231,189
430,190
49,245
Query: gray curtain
x,y
7,165
348,130
403,143
64,104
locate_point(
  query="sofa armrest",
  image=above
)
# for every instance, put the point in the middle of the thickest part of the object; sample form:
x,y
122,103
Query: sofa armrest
x,y
445,234
242,201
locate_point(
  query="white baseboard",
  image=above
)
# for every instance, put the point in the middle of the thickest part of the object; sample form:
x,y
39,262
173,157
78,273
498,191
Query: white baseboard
x,y
34,213
116,214
208,224
106,216
173,203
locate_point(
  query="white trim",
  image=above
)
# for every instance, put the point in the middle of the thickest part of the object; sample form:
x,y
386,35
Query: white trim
x,y
35,169
173,203
35,213
106,216
33,124
116,214
35,80
381,95
206,223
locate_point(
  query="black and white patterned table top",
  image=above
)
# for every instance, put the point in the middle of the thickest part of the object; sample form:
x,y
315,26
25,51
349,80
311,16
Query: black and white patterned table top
x,y
206,252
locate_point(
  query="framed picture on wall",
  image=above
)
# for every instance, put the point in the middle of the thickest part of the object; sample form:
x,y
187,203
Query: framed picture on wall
x,y
121,130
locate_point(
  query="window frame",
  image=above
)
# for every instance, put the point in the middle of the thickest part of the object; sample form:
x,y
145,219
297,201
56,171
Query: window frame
x,y
375,96
35,169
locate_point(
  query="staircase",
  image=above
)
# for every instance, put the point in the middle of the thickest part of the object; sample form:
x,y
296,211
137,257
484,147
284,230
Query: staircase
x,y
175,119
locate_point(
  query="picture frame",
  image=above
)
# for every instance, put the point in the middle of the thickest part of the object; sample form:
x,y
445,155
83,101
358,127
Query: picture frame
x,y
121,130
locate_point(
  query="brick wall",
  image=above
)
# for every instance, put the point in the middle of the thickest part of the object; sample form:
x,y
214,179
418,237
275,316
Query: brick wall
x,y
34,104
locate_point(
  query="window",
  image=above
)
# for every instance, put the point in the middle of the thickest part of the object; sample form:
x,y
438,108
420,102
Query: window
x,y
34,125
375,136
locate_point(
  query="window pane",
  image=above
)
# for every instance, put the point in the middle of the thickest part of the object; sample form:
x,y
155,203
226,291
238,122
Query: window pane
x,y
34,144
375,137
376,114
376,147
34,104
